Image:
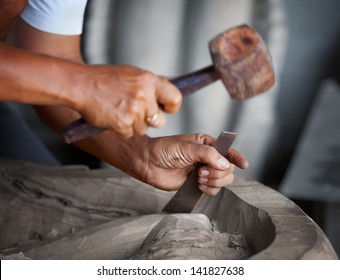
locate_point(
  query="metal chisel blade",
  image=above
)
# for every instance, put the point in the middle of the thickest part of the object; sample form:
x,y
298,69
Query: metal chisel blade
x,y
188,195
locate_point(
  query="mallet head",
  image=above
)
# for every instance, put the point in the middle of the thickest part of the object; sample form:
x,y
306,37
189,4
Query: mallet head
x,y
243,62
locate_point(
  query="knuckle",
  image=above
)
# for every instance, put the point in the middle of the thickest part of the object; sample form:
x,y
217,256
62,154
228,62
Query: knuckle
x,y
176,95
207,151
147,77
122,124
177,100
200,138
204,139
130,107
139,93
133,108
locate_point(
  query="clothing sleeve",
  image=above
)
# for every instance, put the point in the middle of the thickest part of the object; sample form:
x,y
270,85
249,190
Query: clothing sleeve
x,y
63,17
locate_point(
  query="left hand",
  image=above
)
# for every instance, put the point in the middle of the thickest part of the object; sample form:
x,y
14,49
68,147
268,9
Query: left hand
x,y
169,160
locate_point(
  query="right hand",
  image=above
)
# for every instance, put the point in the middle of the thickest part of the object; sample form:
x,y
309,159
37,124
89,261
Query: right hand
x,y
121,98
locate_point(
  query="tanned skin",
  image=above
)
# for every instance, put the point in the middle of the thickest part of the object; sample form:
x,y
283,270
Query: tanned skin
x,y
47,70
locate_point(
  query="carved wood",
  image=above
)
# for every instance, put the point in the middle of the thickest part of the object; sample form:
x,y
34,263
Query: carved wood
x,y
76,213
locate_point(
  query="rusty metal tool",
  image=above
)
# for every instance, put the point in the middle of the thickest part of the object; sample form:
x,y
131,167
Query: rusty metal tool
x,y
240,59
188,195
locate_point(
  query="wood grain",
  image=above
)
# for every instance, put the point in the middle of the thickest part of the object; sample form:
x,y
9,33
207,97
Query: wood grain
x,y
76,213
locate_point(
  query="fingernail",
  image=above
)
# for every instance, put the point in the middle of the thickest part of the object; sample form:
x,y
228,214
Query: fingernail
x,y
246,164
223,163
204,173
202,180
203,187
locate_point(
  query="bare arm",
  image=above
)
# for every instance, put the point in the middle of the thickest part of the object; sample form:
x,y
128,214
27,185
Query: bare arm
x,y
21,75
51,73
162,162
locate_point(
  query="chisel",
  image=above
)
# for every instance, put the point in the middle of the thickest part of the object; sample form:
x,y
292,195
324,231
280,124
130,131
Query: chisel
x,y
188,195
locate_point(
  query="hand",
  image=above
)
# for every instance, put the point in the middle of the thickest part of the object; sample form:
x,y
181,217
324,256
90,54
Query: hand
x,y
122,98
171,159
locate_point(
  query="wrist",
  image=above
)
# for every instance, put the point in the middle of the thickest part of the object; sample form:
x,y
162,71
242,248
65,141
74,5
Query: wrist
x,y
137,156
127,154
76,95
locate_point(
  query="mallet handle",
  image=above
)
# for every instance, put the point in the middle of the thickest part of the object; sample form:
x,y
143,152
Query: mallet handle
x,y
194,81
189,83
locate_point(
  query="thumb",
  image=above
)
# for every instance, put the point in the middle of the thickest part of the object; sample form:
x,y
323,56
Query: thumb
x,y
210,156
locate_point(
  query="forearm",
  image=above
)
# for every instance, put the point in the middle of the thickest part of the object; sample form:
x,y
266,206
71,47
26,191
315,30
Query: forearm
x,y
108,146
129,155
38,79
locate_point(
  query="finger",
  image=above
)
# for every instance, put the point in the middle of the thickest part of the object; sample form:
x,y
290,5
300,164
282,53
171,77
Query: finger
x,y
122,126
211,173
198,138
217,182
168,96
210,156
156,118
126,133
208,190
140,127
237,158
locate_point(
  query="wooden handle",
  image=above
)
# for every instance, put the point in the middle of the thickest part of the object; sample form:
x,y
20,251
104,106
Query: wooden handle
x,y
187,84
78,130
192,82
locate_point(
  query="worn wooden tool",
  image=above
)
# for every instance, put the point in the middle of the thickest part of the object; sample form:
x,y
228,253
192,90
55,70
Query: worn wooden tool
x,y
240,59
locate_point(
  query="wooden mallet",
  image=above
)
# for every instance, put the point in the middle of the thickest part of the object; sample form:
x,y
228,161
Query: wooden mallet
x,y
240,59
